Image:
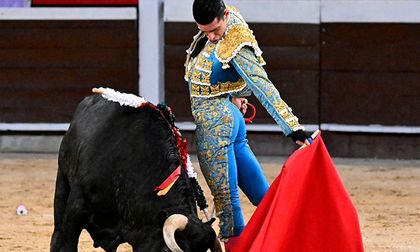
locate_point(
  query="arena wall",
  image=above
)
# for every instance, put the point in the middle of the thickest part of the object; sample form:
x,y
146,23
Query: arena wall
x,y
49,64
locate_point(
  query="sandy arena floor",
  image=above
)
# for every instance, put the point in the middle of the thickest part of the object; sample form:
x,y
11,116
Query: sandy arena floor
x,y
385,192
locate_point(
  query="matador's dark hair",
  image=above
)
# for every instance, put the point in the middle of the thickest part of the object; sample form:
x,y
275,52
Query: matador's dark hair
x,y
205,11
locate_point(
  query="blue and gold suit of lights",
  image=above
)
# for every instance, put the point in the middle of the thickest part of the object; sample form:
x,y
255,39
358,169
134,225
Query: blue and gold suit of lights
x,y
231,68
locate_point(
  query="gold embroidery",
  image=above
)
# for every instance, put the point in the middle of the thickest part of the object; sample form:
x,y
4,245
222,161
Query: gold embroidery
x,y
188,69
201,71
195,89
286,113
189,60
204,90
214,89
236,37
199,77
218,89
224,87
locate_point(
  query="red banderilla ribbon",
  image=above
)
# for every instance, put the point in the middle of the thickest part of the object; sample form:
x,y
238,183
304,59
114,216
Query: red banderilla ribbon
x,y
169,182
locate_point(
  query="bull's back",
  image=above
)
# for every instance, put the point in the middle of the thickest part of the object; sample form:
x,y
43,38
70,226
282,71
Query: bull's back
x,y
123,147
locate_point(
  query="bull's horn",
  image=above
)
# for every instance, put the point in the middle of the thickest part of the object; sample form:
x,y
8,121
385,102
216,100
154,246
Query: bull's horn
x,y
173,223
97,91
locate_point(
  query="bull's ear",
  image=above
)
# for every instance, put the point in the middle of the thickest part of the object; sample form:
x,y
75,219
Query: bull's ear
x,y
162,216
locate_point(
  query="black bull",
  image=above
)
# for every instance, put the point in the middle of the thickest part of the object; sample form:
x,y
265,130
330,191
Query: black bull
x,y
110,161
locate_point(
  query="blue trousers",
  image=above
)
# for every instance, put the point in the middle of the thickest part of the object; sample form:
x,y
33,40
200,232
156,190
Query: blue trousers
x,y
228,164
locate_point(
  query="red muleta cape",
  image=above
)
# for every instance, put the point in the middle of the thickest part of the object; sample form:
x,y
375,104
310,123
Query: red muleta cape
x,y
306,209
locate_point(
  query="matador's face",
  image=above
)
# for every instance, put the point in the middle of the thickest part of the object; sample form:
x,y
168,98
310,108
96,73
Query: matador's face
x,y
216,29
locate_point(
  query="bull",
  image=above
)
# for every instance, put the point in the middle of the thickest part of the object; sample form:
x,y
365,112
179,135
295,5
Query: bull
x,y
110,161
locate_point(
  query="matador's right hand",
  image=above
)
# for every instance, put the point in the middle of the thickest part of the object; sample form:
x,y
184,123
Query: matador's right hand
x,y
300,137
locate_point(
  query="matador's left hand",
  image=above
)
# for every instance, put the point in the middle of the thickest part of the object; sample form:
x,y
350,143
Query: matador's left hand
x,y
241,103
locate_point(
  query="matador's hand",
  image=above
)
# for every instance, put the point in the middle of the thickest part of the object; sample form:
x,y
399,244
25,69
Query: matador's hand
x,y
300,137
241,103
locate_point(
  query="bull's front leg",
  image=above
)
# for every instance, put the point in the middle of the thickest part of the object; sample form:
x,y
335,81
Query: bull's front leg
x,y
66,235
62,191
56,240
